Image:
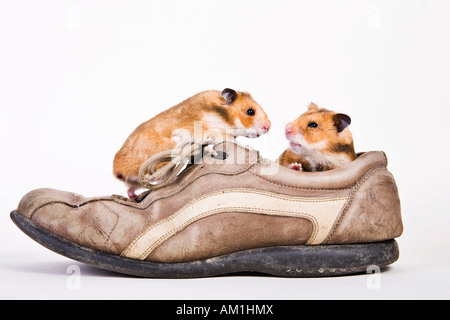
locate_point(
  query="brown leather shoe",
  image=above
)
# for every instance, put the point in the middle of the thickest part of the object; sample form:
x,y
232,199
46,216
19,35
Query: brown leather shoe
x,y
231,212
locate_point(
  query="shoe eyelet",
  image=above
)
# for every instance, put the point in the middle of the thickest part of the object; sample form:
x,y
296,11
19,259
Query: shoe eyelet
x,y
220,155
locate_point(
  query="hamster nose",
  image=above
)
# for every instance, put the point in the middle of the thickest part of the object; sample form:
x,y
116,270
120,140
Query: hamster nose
x,y
288,129
266,126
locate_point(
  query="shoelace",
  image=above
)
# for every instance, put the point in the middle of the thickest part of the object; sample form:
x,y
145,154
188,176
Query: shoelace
x,y
177,160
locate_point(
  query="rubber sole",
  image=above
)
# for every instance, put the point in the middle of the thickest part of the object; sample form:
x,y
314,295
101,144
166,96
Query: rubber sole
x,y
283,261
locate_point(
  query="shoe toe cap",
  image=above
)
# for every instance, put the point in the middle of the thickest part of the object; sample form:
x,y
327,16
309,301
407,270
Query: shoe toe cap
x,y
36,199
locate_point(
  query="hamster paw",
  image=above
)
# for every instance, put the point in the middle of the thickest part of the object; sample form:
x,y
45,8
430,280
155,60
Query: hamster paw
x,y
296,166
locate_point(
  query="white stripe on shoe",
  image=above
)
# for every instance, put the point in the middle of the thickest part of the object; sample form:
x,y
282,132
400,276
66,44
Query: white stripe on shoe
x,y
321,212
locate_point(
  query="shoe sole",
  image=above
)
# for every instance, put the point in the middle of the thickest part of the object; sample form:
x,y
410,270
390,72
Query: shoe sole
x,y
285,261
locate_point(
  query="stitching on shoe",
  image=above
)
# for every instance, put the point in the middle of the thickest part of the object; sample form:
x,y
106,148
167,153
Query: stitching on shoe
x,y
108,238
95,225
294,187
73,206
355,189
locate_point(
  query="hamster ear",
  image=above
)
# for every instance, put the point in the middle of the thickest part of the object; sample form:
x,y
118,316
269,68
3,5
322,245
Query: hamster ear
x,y
341,121
230,95
313,107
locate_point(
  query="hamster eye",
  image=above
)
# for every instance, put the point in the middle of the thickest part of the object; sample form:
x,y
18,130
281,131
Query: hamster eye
x,y
250,112
313,125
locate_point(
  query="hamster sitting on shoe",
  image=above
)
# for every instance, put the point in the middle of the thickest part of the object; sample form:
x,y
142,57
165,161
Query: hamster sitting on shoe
x,y
319,140
224,115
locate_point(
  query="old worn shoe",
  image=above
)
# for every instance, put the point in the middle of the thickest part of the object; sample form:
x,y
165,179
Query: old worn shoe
x,y
230,211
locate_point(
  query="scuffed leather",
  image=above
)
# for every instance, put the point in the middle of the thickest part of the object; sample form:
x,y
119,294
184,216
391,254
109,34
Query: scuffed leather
x,y
230,232
373,212
109,224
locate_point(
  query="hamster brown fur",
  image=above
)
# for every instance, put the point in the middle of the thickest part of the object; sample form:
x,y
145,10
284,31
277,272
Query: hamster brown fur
x,y
319,140
226,114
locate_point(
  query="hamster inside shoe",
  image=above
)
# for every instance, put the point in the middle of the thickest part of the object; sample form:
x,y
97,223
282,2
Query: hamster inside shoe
x,y
319,140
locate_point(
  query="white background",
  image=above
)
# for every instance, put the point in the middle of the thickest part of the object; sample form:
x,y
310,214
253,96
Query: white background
x,y
76,77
